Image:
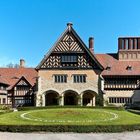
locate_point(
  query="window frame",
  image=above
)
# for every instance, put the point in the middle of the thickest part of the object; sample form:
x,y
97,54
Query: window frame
x,y
69,58
79,78
119,100
60,78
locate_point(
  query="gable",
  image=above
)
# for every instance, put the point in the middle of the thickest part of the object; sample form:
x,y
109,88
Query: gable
x,y
22,83
69,44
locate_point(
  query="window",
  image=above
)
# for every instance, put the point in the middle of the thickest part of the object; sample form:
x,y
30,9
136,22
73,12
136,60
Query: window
x,y
19,101
79,78
129,67
122,100
4,101
60,78
108,68
2,88
69,58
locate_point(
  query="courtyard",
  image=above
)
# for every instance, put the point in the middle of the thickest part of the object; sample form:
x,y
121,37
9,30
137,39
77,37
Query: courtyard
x,y
69,116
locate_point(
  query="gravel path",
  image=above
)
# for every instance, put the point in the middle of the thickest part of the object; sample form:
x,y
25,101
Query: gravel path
x,y
70,136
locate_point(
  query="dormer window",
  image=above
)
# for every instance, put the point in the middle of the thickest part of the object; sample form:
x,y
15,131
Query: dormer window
x,y
15,77
108,68
129,67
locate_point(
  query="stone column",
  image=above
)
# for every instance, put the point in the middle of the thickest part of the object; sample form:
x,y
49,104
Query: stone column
x,y
102,83
62,100
93,101
38,93
43,100
81,99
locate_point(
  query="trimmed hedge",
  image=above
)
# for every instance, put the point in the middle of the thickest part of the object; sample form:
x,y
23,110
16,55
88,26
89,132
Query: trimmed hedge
x,y
67,128
134,111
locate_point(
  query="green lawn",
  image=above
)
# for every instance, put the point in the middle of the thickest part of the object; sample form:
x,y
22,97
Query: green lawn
x,y
70,116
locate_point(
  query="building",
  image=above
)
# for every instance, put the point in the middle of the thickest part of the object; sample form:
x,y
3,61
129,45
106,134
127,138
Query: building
x,y
17,85
72,74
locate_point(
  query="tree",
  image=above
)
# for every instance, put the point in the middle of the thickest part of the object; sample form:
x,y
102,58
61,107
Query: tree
x,y
11,65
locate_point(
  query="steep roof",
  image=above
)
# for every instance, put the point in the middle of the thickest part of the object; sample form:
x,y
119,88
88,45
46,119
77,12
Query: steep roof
x,y
69,29
117,67
11,76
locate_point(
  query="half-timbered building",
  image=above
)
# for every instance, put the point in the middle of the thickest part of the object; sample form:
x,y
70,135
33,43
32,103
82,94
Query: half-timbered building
x,y
17,86
69,74
72,74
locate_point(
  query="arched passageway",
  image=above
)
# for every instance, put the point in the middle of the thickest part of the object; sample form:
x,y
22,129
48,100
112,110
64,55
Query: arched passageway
x,y
51,98
89,98
70,98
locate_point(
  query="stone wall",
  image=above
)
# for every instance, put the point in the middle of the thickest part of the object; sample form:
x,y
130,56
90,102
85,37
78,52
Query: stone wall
x,y
46,82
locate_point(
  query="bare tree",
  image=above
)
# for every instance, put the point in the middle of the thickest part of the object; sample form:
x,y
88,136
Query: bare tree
x,y
11,65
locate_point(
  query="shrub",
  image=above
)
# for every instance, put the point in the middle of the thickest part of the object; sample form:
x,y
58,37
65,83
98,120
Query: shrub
x,y
134,111
69,128
5,107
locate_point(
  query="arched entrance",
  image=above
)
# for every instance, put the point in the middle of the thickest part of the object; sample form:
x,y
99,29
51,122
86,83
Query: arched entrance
x,y
70,98
89,98
51,98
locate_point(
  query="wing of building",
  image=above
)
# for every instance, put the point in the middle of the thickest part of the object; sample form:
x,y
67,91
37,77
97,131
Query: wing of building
x,y
17,86
72,74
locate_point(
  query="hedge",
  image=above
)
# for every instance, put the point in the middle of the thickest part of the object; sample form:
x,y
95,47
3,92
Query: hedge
x,y
134,111
68,128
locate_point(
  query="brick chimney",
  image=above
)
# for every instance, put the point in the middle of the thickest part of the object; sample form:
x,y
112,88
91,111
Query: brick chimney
x,y
22,63
91,44
69,26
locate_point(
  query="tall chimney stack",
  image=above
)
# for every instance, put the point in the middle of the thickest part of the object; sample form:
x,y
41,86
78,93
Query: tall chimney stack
x,y
69,26
91,44
22,63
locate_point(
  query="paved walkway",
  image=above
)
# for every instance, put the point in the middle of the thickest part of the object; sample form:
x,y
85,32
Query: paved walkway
x,y
70,136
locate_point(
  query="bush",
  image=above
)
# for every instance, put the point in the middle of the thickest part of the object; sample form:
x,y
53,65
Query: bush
x,y
68,128
134,111
5,107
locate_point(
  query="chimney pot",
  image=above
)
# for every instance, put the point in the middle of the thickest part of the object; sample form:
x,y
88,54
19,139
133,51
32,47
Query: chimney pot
x,y
69,24
91,44
22,63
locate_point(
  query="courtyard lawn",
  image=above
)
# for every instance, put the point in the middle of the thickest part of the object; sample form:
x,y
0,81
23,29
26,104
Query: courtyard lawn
x,y
70,116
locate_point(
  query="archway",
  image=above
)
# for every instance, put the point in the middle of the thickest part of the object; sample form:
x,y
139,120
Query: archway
x,y
51,98
88,98
70,98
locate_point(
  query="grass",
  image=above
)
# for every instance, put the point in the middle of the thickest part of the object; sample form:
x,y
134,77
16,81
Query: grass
x,y
70,116
69,119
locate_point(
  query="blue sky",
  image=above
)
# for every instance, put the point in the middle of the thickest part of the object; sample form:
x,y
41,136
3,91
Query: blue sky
x,y
29,28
